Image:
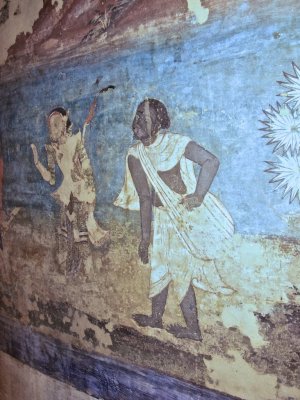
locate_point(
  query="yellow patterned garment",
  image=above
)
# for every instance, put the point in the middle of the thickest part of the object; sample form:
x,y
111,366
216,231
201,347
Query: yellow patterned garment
x,y
78,182
72,159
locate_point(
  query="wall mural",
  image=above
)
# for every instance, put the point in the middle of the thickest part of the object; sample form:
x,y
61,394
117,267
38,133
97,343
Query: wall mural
x,y
137,219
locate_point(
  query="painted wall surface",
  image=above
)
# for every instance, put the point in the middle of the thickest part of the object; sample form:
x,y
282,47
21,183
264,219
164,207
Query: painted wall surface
x,y
215,67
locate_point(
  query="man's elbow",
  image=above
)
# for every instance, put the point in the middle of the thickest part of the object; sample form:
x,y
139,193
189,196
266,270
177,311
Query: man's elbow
x,y
214,162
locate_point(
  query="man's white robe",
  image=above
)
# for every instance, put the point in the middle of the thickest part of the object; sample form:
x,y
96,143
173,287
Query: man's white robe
x,y
186,245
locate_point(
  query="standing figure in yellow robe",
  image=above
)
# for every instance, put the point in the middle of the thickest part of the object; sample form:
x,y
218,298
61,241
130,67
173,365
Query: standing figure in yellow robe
x,y
76,194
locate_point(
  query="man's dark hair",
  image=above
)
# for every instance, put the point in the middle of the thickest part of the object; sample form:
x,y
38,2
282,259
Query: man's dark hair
x,y
158,113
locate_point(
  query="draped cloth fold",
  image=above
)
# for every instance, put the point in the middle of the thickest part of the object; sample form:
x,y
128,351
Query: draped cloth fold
x,y
187,245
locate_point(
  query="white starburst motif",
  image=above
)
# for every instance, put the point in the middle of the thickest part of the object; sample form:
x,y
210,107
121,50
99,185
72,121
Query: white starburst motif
x,y
287,175
283,128
293,85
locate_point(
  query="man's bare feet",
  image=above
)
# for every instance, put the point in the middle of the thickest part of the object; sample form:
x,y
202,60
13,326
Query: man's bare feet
x,y
183,332
146,320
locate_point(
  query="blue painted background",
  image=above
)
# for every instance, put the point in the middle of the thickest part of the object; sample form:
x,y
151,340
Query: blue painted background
x,y
215,79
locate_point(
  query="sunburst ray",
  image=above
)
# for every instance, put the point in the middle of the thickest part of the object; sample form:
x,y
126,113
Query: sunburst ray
x,y
287,175
292,83
283,128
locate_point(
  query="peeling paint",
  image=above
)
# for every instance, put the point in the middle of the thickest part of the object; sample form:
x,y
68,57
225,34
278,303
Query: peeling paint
x,y
235,376
225,323
243,317
288,393
18,23
4,11
58,4
200,12
82,327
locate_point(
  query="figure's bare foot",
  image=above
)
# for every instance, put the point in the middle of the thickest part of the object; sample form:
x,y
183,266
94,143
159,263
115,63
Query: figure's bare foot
x,y
183,332
146,320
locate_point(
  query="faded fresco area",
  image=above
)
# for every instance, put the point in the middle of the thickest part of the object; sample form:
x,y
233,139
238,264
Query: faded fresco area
x,y
150,187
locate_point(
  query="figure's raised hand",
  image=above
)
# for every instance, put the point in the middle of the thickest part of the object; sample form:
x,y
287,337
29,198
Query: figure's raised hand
x,y
144,251
35,153
191,201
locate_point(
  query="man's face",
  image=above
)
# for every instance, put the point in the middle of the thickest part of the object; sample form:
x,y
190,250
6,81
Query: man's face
x,y
57,127
141,129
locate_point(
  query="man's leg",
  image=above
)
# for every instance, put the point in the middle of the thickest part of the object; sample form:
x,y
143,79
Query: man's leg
x,y
189,310
158,308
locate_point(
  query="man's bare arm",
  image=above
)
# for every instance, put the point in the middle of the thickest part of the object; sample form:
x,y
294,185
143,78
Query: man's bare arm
x,y
141,184
209,167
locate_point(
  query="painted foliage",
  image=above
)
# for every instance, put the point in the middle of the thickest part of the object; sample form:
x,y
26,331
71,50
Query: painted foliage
x,y
146,228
